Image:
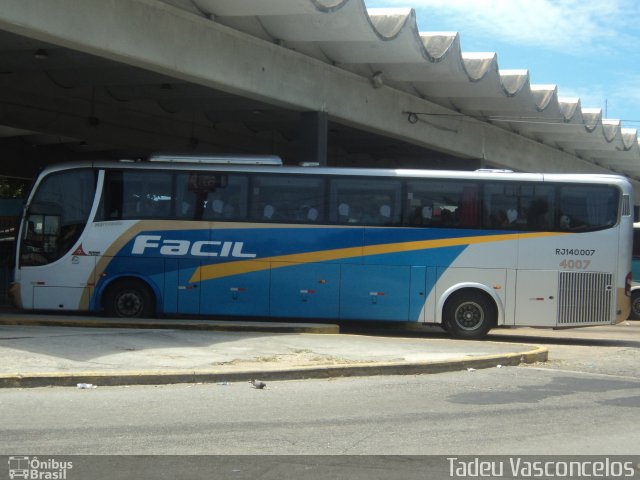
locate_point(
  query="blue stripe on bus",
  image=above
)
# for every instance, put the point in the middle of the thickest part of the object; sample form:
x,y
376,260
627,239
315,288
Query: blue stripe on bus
x,y
394,261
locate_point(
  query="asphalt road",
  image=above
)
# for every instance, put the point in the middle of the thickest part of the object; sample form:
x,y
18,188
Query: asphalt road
x,y
608,350
584,401
512,410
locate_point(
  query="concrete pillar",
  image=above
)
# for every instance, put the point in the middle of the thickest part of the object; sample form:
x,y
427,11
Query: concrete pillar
x,y
313,137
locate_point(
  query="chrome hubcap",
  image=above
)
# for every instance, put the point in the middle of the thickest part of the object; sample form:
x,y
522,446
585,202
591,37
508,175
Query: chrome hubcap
x,y
129,304
469,316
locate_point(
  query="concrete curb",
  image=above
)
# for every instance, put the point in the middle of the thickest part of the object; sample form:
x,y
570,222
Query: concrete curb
x,y
538,354
208,325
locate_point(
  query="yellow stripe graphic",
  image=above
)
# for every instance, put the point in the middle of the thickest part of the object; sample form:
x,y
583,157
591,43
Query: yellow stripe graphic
x,y
210,272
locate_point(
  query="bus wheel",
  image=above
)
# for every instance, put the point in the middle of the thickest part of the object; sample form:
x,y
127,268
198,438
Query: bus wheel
x,y
469,314
635,305
129,298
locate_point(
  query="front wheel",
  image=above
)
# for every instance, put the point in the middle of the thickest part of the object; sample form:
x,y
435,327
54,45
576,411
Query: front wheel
x,y
635,305
129,299
469,315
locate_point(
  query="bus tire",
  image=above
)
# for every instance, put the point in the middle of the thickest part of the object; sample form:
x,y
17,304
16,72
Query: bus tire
x,y
635,305
469,314
129,298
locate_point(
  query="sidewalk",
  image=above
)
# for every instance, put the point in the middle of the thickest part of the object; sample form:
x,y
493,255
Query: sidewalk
x,y
49,350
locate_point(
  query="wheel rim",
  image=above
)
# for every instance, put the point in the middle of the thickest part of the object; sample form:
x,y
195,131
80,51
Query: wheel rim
x,y
635,306
469,316
129,304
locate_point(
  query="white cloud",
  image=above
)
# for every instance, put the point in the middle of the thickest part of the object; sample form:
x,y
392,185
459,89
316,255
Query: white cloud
x,y
566,25
617,100
626,97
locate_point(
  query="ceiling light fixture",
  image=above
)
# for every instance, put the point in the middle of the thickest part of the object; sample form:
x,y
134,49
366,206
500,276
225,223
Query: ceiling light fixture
x,y
41,54
376,80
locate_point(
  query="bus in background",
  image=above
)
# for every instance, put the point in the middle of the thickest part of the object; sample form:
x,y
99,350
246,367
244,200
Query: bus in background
x,y
635,273
221,236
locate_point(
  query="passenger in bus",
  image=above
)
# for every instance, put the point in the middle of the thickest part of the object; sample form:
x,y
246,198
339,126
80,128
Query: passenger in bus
x,y
566,222
228,211
538,213
187,209
499,219
421,216
504,219
145,207
385,214
427,214
268,212
217,207
344,213
370,215
313,214
446,217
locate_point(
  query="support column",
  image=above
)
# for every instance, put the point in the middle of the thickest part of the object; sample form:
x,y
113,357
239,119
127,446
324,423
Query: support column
x,y
313,137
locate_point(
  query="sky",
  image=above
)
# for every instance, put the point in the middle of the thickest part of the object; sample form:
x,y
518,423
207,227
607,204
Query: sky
x,y
589,48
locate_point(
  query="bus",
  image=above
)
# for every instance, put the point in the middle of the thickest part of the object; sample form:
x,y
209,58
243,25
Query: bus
x,y
219,237
635,274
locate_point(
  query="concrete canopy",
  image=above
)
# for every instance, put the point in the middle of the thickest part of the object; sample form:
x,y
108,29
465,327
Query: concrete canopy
x,y
229,75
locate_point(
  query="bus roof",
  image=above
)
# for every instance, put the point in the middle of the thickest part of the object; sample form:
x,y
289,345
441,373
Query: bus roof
x,y
184,163
219,159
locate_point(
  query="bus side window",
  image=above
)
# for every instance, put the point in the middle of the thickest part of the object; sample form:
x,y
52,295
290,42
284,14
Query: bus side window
x,y
186,201
111,202
358,201
501,204
538,214
437,203
288,199
588,207
228,202
146,194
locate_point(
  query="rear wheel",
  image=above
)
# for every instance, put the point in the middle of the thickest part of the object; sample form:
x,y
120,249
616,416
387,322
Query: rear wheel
x,y
129,298
469,314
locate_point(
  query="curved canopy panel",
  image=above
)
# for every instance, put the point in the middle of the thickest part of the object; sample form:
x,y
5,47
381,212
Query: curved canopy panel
x,y
386,45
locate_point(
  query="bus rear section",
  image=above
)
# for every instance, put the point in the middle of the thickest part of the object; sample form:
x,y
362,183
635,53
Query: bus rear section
x,y
635,274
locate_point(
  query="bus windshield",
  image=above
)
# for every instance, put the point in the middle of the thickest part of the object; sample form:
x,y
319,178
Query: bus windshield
x,y
57,215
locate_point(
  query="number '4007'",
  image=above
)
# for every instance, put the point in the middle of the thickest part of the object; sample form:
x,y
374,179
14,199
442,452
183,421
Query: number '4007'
x,y
575,264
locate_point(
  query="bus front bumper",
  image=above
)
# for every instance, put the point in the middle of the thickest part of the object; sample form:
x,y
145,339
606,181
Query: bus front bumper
x,y
14,295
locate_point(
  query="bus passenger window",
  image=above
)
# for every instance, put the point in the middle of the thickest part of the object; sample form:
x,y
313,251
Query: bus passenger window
x,y
374,202
111,206
146,194
538,214
588,207
186,200
518,206
228,202
501,204
288,199
438,203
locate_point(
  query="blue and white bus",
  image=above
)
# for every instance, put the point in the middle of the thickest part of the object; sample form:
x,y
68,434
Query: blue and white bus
x,y
224,237
635,274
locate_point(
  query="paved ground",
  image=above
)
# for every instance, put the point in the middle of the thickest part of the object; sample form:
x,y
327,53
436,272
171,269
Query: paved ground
x,y
64,353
